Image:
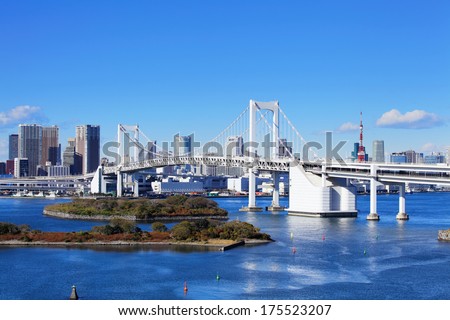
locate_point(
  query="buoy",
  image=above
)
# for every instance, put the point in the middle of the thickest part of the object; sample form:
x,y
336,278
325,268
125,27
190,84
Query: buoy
x,y
185,287
377,237
74,295
292,236
365,252
217,277
323,237
294,250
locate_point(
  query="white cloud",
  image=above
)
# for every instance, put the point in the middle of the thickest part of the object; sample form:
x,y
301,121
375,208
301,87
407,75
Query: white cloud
x,y
348,127
20,114
416,119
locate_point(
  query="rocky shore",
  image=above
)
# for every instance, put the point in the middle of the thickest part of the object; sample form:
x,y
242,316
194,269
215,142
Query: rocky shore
x,y
222,245
444,235
99,217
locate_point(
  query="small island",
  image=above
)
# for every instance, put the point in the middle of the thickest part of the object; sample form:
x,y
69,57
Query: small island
x,y
174,208
209,233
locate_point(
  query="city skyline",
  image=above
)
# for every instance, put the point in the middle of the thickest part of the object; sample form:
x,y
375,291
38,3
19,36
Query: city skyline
x,y
192,68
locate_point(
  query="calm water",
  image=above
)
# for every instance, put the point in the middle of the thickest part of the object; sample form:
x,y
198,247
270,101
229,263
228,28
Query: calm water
x,y
402,260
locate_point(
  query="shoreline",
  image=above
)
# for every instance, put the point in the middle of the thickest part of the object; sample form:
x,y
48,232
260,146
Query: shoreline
x,y
100,217
217,246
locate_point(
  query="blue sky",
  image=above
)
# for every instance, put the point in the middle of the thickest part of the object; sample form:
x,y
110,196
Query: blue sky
x,y
192,66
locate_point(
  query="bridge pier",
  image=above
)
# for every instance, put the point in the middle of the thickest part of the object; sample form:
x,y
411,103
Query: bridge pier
x,y
251,192
119,192
135,187
402,215
276,193
373,215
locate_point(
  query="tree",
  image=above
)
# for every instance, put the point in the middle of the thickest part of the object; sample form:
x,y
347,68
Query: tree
x,y
159,226
183,231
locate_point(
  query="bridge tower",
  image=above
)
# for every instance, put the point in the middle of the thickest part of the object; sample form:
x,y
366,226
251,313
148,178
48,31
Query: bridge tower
x,y
128,145
252,156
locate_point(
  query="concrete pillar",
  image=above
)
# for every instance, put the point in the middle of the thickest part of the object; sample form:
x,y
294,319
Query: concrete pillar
x,y
136,187
402,215
276,193
119,184
373,215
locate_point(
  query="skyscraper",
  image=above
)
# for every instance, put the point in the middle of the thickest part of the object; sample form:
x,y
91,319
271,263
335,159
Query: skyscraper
x,y
30,146
50,145
13,146
234,146
71,158
87,145
378,151
182,145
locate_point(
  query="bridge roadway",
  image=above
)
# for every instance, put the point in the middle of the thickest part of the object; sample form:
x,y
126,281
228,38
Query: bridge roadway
x,y
384,173
46,183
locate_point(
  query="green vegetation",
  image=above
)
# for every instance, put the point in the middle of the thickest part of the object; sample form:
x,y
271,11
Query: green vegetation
x,y
142,209
204,230
117,226
159,227
124,230
9,228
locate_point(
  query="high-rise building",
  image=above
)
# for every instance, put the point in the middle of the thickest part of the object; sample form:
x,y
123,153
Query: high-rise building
x,y
50,145
378,151
2,168
285,148
182,145
30,146
13,146
234,146
150,152
21,166
71,158
87,145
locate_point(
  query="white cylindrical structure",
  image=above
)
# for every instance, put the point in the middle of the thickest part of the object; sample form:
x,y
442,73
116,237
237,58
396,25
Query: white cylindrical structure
x,y
401,199
276,189
373,215
402,215
119,184
251,189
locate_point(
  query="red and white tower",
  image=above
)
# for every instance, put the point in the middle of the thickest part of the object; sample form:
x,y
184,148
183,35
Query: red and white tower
x,y
361,149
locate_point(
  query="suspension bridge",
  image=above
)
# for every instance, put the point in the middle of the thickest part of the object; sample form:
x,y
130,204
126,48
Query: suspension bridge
x,y
263,139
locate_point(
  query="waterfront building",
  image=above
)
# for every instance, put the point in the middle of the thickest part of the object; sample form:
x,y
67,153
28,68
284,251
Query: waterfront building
x,y
30,146
87,145
177,185
378,151
10,166
435,158
58,171
2,168
398,157
21,167
13,146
